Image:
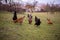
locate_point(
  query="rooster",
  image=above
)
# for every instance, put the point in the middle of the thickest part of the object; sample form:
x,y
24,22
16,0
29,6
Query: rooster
x,y
49,21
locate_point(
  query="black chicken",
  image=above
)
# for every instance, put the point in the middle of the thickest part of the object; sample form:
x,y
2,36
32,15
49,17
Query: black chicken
x,y
37,21
15,17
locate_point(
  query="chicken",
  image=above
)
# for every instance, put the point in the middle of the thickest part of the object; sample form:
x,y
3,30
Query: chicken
x,y
29,18
37,21
28,15
15,17
20,20
49,21
36,18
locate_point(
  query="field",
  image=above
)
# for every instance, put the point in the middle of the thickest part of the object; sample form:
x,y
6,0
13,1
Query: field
x,y
14,31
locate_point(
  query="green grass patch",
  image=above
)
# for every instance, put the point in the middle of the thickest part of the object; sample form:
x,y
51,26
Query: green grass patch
x,y
14,31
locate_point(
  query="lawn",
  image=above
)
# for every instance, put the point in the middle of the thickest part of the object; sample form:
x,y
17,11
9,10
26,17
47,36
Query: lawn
x,y
14,31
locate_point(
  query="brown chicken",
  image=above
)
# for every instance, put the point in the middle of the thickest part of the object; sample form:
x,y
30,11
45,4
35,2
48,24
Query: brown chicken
x,y
20,20
49,21
29,18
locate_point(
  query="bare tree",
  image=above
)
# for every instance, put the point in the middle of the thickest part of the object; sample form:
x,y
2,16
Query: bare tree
x,y
0,0
52,8
6,1
47,8
31,6
34,4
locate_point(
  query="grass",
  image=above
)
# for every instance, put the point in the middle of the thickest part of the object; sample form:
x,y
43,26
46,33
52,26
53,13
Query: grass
x,y
14,31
